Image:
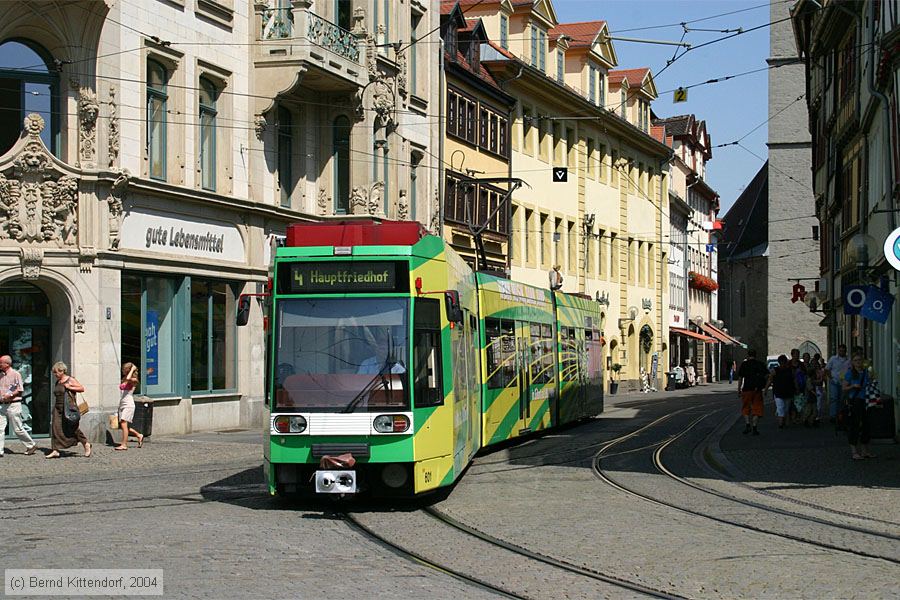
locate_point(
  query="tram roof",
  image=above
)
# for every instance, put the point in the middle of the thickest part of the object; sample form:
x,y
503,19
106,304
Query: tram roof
x,y
348,233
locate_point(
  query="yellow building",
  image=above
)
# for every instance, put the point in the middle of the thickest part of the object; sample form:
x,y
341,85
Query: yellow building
x,y
577,118
476,146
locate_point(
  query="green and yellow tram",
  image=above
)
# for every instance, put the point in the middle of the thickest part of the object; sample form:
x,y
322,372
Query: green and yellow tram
x,y
391,363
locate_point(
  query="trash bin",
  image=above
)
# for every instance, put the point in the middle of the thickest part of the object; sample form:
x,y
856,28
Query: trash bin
x,y
143,416
671,378
881,420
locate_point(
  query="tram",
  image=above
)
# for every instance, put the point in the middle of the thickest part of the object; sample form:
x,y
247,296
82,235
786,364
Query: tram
x,y
390,362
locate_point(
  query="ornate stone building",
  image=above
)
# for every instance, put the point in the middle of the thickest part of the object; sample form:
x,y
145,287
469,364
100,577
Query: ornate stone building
x,y
148,153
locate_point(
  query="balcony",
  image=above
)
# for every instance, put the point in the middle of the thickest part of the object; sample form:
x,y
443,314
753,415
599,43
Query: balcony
x,y
298,47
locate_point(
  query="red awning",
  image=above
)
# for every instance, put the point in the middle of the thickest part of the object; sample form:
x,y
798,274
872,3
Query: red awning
x,y
720,335
689,333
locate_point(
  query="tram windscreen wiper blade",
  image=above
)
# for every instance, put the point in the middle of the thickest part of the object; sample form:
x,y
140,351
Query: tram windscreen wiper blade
x,y
369,388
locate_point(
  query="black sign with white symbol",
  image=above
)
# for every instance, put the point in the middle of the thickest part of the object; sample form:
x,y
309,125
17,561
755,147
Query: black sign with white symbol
x,y
560,174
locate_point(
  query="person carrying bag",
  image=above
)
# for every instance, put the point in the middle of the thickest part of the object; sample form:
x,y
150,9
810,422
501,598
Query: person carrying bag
x,y
64,428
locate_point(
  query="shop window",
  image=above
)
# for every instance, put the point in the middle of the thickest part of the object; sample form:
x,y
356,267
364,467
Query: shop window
x,y
148,331
213,336
208,97
27,85
157,106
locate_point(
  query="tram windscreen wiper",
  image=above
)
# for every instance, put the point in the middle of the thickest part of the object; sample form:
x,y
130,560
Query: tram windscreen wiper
x,y
370,387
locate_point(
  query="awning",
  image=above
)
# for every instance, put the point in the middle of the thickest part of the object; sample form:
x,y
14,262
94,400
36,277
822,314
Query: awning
x,y
721,335
689,333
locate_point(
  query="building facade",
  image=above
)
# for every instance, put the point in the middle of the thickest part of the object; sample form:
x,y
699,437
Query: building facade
x,y
148,152
851,55
602,220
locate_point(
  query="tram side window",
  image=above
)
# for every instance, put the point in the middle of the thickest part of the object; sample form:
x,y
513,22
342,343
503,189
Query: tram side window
x,y
427,389
548,355
501,352
569,362
537,358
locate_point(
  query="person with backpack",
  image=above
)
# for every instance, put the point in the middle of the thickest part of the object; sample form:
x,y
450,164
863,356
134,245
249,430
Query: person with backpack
x,y
752,382
856,380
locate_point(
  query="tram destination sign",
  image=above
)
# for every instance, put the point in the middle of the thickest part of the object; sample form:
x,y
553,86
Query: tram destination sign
x,y
342,277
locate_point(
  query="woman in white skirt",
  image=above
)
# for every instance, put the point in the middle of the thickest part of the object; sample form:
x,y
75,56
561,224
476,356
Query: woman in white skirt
x,y
126,406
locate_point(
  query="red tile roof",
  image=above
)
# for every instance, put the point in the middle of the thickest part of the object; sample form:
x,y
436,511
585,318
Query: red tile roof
x,y
658,133
481,73
582,34
634,76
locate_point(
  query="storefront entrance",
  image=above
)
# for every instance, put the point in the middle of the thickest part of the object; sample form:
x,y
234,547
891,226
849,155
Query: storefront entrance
x,y
25,336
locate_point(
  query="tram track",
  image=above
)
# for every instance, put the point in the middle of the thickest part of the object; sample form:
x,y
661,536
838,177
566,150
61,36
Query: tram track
x,y
660,447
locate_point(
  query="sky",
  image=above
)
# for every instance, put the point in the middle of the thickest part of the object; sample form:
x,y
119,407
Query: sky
x,y
731,108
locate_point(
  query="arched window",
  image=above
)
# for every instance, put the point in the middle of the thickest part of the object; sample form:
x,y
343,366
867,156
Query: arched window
x,y
27,85
341,159
208,96
285,152
157,101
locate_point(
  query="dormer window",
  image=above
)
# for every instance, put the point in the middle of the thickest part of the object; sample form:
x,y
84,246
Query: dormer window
x,y
623,107
474,57
504,31
592,84
560,66
538,48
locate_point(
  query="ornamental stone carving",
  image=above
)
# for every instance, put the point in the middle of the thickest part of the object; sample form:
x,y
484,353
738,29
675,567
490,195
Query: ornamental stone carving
x,y
115,203
402,75
436,213
403,206
31,259
322,202
383,100
371,57
376,195
358,201
113,150
38,202
259,125
359,21
88,109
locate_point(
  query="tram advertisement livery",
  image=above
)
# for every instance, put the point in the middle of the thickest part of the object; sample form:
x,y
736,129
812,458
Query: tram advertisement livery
x,y
390,362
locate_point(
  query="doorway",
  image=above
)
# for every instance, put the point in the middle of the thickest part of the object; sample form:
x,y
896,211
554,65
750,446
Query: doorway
x,y
25,336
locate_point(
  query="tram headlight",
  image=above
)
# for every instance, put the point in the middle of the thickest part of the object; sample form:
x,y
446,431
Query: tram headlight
x,y
391,423
289,424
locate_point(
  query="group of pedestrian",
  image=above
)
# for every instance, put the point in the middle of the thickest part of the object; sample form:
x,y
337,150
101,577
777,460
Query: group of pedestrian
x,y
798,388
64,433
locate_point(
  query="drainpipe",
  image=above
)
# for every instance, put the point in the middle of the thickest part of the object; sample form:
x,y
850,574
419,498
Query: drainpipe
x,y
441,125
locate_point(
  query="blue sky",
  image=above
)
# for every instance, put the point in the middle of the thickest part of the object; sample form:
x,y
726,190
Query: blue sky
x,y
731,108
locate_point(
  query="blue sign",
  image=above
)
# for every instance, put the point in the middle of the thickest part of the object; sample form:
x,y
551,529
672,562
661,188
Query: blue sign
x,y
151,339
854,298
878,305
710,248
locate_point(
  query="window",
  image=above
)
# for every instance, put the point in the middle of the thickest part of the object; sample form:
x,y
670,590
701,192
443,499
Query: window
x,y
157,99
501,352
592,84
527,144
572,243
213,335
341,158
148,331
529,223
602,160
571,147
558,243
461,116
504,31
543,241
624,102
413,53
414,160
613,256
343,14
614,169
27,85
285,155
427,388
590,159
602,253
601,94
542,137
208,97
559,149
534,46
542,50
560,66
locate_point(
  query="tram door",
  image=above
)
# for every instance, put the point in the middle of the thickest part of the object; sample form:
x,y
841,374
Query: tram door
x,y
523,373
25,336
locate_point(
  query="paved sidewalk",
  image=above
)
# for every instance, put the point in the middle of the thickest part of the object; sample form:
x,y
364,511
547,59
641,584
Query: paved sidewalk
x,y
813,465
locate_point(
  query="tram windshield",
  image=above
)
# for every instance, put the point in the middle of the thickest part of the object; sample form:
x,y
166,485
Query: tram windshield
x,y
342,354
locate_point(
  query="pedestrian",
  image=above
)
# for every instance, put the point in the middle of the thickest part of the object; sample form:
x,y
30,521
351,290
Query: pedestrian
x,y
752,382
64,435
795,364
818,377
11,391
835,369
783,388
556,278
733,371
690,373
126,406
855,381
801,389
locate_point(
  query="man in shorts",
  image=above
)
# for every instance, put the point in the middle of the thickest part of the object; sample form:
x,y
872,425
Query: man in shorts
x,y
752,383
784,388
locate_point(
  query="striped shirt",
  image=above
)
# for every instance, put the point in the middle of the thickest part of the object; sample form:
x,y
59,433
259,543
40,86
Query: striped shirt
x,y
10,383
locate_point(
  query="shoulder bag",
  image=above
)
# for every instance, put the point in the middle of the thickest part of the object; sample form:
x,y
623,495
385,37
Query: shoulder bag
x,y
70,409
82,404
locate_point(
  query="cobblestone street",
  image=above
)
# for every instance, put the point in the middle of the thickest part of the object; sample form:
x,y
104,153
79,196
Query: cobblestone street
x,y
196,507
